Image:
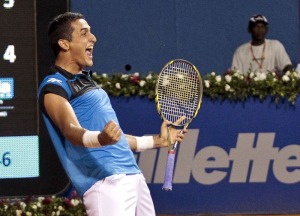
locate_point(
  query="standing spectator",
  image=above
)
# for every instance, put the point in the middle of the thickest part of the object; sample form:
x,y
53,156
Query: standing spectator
x,y
261,54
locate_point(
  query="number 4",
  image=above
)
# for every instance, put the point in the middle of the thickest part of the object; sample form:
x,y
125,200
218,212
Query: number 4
x,y
9,54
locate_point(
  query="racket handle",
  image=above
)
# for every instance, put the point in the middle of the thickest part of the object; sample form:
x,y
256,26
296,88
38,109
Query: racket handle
x,y
169,171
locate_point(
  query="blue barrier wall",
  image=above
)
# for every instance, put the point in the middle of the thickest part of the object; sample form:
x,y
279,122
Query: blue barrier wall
x,y
147,34
236,158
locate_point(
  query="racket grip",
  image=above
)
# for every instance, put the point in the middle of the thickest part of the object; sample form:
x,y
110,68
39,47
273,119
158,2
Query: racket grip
x,y
169,171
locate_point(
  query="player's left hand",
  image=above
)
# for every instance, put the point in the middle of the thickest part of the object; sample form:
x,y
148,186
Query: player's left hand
x,y
171,134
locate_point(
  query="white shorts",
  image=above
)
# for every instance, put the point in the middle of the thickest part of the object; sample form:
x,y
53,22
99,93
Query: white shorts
x,y
119,195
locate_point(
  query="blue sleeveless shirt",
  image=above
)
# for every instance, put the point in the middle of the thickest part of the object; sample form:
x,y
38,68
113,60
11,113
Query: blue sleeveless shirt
x,y
86,166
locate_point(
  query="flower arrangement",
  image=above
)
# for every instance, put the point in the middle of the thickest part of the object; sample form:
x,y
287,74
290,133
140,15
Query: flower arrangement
x,y
232,85
128,84
43,206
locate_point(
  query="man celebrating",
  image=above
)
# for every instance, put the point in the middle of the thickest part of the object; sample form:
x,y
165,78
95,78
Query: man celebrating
x,y
261,54
95,153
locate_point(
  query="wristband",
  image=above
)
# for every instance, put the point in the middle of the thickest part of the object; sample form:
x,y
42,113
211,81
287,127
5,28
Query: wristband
x,y
144,142
90,139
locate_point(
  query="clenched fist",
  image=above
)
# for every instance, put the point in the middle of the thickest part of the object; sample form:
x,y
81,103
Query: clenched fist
x,y
110,135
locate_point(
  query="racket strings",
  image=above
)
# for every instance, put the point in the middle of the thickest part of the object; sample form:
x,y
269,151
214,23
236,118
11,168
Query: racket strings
x,y
180,91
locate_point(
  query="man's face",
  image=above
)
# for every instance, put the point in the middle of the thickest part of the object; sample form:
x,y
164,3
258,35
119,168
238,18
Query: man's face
x,y
82,44
259,31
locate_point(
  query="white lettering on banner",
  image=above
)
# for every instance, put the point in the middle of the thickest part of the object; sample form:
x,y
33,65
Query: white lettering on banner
x,y
247,162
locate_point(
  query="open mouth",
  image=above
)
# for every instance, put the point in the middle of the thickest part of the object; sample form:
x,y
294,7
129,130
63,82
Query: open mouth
x,y
89,52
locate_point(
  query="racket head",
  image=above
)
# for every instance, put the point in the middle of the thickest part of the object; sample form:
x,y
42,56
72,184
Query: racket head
x,y
179,91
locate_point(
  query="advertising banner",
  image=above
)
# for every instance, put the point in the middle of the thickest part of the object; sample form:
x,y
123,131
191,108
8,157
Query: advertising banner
x,y
236,157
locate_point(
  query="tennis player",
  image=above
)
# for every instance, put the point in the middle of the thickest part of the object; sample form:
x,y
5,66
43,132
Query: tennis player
x,y
95,153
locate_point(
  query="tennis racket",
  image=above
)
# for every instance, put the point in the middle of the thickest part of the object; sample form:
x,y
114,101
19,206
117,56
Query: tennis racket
x,y
179,92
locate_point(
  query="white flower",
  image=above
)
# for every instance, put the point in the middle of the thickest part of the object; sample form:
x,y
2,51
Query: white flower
x,y
142,83
288,73
118,85
274,80
23,205
228,78
213,73
5,207
149,77
273,73
57,213
165,80
28,213
241,77
124,76
179,76
236,74
104,75
34,207
136,74
39,205
285,78
218,78
261,76
60,208
74,202
206,83
18,212
251,75
295,74
227,87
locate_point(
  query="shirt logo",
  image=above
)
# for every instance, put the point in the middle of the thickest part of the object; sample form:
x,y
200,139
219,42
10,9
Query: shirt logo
x,y
53,80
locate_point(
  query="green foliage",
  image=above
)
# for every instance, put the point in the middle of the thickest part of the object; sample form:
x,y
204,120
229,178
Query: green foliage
x,y
42,206
128,84
232,85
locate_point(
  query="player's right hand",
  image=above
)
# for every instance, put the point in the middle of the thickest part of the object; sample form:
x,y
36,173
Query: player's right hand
x,y
110,135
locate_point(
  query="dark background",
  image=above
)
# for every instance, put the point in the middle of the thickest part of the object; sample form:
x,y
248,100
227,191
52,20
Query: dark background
x,y
22,119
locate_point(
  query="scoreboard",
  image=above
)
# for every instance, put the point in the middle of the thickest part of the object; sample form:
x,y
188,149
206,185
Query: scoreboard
x,y
28,162
19,145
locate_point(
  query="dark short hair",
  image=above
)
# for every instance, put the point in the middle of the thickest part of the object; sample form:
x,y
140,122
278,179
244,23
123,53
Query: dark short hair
x,y
60,28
